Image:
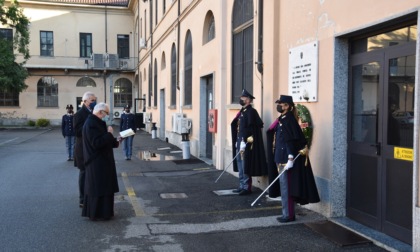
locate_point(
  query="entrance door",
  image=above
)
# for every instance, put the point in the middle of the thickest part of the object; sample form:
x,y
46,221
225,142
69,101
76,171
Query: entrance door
x,y
379,192
210,105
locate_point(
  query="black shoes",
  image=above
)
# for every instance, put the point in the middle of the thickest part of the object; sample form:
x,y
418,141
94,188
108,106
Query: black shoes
x,y
245,192
240,191
282,219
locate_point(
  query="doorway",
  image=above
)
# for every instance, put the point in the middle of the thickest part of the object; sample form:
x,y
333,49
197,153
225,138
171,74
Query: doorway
x,y
206,103
381,105
162,115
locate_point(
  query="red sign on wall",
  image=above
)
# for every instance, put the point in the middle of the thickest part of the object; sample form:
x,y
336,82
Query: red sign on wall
x,y
212,120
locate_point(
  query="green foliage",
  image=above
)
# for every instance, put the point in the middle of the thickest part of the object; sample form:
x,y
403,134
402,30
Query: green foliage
x,y
42,122
306,122
31,123
13,74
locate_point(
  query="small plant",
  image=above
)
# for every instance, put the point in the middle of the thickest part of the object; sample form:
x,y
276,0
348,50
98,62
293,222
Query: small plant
x,y
31,123
42,122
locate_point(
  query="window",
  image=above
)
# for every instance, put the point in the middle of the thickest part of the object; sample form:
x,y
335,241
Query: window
x,y
188,70
156,13
173,75
85,45
163,6
47,89
122,92
47,43
155,84
150,85
123,46
9,98
6,35
85,82
242,51
163,62
209,32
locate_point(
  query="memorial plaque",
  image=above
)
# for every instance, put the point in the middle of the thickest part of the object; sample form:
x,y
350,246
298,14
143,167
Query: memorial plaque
x,y
303,72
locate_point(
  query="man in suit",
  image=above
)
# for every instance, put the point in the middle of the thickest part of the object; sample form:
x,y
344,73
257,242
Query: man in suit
x,y
88,103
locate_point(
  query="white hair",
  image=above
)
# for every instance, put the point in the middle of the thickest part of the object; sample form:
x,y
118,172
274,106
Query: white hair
x,y
87,95
100,106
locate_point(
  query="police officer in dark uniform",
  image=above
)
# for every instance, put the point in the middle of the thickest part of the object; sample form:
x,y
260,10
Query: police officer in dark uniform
x,y
67,130
297,183
247,138
127,122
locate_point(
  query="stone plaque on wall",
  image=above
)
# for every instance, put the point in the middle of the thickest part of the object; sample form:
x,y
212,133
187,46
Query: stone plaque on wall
x,y
303,72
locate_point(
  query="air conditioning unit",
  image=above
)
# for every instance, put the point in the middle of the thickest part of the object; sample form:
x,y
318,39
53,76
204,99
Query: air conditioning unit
x,y
176,118
185,125
98,60
123,64
142,43
112,61
147,117
117,114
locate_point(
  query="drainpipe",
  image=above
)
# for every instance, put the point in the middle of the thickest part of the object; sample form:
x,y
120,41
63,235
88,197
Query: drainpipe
x,y
151,47
177,57
260,50
260,36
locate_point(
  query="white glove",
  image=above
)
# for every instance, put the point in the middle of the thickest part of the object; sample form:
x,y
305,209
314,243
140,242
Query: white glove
x,y
242,146
288,165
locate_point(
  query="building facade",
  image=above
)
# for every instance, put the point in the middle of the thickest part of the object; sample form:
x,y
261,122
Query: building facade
x,y
353,64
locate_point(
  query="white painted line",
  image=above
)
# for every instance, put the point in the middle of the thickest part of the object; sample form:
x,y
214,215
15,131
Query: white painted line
x,y
8,141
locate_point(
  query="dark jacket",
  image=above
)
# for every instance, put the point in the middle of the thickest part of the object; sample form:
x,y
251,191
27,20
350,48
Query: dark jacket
x,y
67,128
127,122
98,144
254,155
274,190
78,121
302,185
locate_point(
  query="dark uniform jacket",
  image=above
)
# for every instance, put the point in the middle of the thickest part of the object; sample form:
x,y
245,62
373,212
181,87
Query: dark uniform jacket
x,y
302,185
78,121
127,122
98,144
247,124
67,128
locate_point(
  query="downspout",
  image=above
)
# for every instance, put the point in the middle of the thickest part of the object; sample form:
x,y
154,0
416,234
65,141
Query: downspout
x,y
178,54
106,51
260,50
151,49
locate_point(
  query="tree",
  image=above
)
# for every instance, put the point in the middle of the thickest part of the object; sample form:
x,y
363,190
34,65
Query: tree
x,y
13,74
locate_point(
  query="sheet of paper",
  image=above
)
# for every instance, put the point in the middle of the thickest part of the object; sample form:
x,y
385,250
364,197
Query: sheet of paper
x,y
127,133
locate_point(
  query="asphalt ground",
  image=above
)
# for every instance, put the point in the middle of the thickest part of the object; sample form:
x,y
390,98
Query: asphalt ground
x,y
164,204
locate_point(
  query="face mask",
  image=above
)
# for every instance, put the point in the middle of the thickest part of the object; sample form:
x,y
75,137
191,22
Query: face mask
x,y
280,109
92,105
105,118
242,102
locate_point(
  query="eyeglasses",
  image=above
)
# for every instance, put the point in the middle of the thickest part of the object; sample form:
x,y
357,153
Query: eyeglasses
x,y
105,112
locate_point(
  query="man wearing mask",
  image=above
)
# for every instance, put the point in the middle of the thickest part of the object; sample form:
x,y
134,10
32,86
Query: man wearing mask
x,y
89,102
297,183
247,139
101,176
67,130
127,122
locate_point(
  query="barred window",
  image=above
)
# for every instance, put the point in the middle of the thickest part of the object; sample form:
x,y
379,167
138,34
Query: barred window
x,y
47,89
9,98
123,92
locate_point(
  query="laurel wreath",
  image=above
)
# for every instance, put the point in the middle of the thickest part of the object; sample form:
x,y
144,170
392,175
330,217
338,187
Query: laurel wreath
x,y
305,122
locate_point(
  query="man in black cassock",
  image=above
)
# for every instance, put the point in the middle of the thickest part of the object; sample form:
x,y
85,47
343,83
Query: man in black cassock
x,y
247,138
89,102
297,182
101,176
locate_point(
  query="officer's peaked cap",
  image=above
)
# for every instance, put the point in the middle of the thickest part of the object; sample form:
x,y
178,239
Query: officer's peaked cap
x,y
285,99
247,94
